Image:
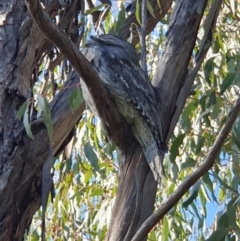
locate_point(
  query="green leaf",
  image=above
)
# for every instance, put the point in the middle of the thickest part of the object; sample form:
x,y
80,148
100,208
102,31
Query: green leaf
x,y
174,148
188,163
40,102
159,4
208,69
216,108
236,179
150,9
107,24
236,133
232,5
47,119
228,80
75,168
87,176
83,133
185,123
206,119
152,236
200,224
186,114
193,194
199,144
137,13
206,179
22,110
96,192
100,134
121,19
231,65
91,156
222,220
216,45
203,200
231,214
44,108
190,108
212,98
218,235
209,184
26,123
165,230
75,99
196,211
202,102
174,171
95,9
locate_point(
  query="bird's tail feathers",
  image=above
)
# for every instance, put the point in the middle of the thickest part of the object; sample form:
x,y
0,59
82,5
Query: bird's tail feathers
x,y
155,161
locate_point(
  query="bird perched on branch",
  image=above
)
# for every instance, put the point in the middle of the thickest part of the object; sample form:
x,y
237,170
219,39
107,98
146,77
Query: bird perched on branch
x,y
117,65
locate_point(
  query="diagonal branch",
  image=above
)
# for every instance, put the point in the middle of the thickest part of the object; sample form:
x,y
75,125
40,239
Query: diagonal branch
x,y
81,65
190,180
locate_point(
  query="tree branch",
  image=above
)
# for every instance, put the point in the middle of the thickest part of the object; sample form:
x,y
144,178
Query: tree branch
x,y
60,108
172,68
207,39
85,70
192,178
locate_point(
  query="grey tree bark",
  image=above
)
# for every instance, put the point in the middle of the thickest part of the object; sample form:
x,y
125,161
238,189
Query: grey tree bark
x,y
22,45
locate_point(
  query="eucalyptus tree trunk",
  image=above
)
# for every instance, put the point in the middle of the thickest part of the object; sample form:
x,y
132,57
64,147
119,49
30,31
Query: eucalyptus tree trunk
x,y
22,46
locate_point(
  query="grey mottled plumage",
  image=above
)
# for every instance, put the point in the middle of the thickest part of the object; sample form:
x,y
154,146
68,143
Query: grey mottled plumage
x,y
117,65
